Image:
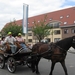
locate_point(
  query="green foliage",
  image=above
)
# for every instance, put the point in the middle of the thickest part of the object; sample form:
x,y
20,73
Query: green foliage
x,y
41,29
12,27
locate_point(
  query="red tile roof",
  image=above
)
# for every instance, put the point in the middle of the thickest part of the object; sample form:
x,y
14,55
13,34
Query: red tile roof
x,y
67,14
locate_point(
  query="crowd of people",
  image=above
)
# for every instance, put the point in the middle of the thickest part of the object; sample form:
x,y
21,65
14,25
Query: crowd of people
x,y
11,41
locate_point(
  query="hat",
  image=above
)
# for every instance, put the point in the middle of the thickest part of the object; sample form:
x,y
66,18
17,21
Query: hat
x,y
9,33
19,33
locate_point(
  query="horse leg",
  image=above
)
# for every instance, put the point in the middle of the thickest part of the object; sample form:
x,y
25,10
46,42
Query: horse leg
x,y
52,67
37,70
64,67
34,64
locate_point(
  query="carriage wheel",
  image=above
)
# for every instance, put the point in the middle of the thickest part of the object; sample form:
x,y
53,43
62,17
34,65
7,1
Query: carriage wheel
x,y
29,65
2,61
11,65
28,62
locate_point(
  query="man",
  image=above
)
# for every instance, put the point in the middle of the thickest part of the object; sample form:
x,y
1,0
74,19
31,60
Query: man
x,y
21,40
11,40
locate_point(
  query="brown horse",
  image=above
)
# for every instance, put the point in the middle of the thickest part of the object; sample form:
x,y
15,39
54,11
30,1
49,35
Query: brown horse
x,y
56,52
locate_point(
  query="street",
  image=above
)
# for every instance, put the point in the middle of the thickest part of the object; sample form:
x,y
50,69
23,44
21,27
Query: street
x,y
44,68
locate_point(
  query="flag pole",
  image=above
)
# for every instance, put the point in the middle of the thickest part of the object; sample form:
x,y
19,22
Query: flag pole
x,y
25,21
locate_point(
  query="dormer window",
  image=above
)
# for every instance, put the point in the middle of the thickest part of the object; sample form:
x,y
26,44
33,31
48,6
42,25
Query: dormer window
x,y
50,19
61,17
65,22
38,21
67,16
74,21
32,22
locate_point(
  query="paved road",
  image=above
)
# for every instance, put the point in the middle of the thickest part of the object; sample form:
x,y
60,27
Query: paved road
x,y
44,67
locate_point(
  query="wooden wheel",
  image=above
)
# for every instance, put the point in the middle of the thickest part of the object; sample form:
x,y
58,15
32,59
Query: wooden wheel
x,y
2,61
28,62
11,65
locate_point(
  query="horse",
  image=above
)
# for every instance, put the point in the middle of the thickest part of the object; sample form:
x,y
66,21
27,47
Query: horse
x,y
56,52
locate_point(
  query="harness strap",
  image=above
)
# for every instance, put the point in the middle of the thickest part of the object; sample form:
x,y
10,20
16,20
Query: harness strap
x,y
60,47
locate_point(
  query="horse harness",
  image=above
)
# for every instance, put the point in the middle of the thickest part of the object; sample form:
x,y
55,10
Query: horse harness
x,y
49,52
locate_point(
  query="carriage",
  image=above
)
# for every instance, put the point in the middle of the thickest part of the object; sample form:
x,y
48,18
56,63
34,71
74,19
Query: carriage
x,y
21,57
56,52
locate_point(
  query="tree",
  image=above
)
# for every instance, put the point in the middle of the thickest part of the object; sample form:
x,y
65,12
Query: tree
x,y
12,27
41,29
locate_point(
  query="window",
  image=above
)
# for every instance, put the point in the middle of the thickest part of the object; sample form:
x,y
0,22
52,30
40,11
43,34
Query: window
x,y
56,39
56,25
50,19
51,25
32,22
30,40
38,21
61,17
29,34
66,31
65,22
74,21
49,40
73,30
57,32
67,16
29,29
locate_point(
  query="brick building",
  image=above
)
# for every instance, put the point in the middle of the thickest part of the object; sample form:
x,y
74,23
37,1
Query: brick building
x,y
63,22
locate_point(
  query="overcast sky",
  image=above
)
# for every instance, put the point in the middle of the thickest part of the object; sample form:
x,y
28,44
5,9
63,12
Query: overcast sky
x,y
11,10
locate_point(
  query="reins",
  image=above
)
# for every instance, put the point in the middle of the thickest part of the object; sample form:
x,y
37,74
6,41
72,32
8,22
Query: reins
x,y
28,47
60,47
65,50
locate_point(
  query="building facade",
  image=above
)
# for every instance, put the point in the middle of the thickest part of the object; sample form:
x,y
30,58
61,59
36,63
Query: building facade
x,y
63,22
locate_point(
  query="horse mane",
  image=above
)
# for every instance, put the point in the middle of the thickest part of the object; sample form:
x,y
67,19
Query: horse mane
x,y
65,43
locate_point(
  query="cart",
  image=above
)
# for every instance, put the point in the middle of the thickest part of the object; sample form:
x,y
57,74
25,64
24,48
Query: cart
x,y
21,57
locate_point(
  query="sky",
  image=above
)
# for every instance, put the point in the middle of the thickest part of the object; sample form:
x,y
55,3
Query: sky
x,y
11,10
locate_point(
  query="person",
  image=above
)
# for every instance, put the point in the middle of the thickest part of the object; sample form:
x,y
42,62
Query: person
x,y
2,46
11,40
2,40
21,41
44,40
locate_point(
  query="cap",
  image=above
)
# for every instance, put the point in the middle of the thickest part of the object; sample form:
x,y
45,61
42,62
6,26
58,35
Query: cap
x,y
9,33
19,33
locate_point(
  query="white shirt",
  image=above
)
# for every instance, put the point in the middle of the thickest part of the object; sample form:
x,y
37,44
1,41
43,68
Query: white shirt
x,y
2,42
10,39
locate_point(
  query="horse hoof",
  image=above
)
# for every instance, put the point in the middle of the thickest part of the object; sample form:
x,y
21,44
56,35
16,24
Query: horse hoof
x,y
33,71
38,73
